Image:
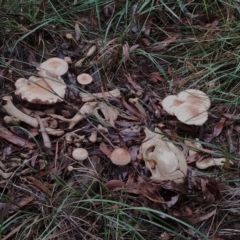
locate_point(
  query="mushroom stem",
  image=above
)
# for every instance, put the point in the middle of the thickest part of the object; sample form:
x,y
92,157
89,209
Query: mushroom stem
x,y
13,111
87,97
5,175
85,111
209,162
46,139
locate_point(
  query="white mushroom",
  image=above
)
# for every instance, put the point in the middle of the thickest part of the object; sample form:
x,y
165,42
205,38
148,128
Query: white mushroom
x,y
209,162
163,158
54,67
13,111
40,90
80,154
170,104
93,137
84,79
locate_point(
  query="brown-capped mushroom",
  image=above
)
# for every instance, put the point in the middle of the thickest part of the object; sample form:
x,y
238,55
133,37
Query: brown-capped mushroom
x,y
120,156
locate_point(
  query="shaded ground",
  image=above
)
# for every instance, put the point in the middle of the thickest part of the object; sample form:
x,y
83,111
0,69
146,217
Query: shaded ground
x,y
147,50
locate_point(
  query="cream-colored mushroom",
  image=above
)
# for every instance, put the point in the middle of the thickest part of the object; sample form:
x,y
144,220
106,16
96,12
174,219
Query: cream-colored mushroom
x,y
84,79
170,104
93,137
80,154
87,97
85,111
13,111
54,132
120,156
209,162
164,160
11,121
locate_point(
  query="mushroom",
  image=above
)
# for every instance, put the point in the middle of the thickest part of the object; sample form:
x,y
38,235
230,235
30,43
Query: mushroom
x,y
164,160
80,154
13,111
93,137
170,104
87,97
209,162
85,111
39,90
54,132
54,67
191,114
120,157
39,113
110,114
11,121
84,79
5,175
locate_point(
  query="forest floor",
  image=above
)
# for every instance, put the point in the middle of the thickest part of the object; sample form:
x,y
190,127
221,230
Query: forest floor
x,y
144,51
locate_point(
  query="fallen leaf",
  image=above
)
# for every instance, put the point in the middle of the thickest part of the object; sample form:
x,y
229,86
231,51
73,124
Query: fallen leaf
x,y
7,135
115,184
131,109
105,149
133,83
219,127
231,116
161,45
39,185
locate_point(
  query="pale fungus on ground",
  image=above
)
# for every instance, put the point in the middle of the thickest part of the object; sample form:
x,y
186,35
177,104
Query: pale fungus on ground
x,y
39,90
80,154
164,160
84,79
210,162
120,157
189,106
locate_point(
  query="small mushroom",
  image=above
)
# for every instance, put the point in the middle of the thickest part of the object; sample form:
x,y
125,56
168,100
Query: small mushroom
x,y
80,154
54,132
209,162
170,104
84,79
13,111
87,97
93,137
120,157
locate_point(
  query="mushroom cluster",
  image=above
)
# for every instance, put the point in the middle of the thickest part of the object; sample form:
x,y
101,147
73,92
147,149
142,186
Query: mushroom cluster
x,y
48,87
189,106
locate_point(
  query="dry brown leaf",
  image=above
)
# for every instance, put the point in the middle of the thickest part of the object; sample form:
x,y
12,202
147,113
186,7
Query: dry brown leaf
x,y
131,109
231,116
105,149
39,185
7,135
133,83
23,202
219,127
197,219
115,184
155,77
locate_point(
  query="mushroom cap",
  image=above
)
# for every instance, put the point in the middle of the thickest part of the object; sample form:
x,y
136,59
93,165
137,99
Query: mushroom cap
x,y
40,90
80,154
84,79
170,103
120,156
54,66
191,114
194,96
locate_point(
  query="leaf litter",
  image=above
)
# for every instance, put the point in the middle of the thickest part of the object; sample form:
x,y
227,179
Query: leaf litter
x,y
124,121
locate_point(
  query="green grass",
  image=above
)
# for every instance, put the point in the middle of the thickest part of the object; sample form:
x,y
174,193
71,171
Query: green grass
x,y
205,52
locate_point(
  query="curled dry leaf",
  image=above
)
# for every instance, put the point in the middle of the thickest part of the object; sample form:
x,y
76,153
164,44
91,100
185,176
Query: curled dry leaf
x,y
219,127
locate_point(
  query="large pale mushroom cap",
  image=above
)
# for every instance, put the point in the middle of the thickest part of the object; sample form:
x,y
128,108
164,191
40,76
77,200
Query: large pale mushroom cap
x,y
38,90
194,96
53,66
191,114
120,156
170,104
